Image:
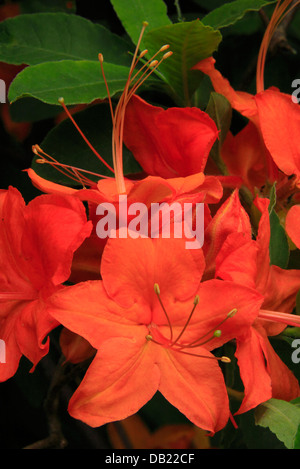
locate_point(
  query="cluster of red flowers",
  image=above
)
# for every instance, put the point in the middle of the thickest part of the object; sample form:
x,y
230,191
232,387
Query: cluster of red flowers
x,y
151,313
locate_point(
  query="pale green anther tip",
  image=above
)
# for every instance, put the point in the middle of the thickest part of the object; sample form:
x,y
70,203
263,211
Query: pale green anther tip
x,y
145,23
232,313
61,100
225,359
196,300
218,333
157,289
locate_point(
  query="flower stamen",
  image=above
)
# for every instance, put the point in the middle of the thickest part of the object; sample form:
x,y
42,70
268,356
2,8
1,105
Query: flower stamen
x,y
181,347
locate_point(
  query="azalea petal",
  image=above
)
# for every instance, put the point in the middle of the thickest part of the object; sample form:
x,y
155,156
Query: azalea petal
x,y
281,290
239,100
121,379
237,260
12,352
86,310
292,224
217,298
280,125
196,387
142,262
168,143
54,228
231,217
245,155
285,385
250,353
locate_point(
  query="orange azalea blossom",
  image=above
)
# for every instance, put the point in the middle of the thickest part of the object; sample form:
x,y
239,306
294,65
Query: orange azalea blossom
x,y
37,243
194,135
273,119
245,260
193,128
154,325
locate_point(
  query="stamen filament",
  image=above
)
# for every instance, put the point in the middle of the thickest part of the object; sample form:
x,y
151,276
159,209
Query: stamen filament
x,y
65,169
157,292
212,331
276,316
222,359
196,302
278,15
61,101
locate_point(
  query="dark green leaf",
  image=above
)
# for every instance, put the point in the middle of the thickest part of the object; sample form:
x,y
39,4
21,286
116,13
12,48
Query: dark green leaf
x,y
78,82
297,439
44,37
279,247
220,110
66,145
281,417
133,16
230,13
190,43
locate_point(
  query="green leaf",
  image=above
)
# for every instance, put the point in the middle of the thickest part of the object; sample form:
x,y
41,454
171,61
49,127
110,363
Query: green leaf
x,y
232,12
297,439
133,16
190,43
281,417
78,82
220,110
65,144
279,246
44,37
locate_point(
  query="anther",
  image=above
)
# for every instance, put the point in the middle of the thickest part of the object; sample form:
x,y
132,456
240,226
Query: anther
x,y
225,360
196,300
148,337
232,313
165,47
143,53
61,100
156,289
153,63
145,24
167,54
218,333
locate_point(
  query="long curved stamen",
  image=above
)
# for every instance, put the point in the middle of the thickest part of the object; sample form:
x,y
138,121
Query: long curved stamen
x,y
196,302
118,116
72,172
278,15
62,102
181,347
157,292
211,332
283,318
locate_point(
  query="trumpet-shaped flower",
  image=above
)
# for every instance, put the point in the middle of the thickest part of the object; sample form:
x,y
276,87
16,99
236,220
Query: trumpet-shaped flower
x,y
273,119
37,243
247,261
154,325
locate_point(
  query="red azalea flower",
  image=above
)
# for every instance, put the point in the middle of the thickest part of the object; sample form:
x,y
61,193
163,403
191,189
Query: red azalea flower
x,y
273,119
247,261
169,143
154,324
37,243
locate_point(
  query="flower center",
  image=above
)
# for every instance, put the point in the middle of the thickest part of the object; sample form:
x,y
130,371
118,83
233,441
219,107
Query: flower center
x,y
156,336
